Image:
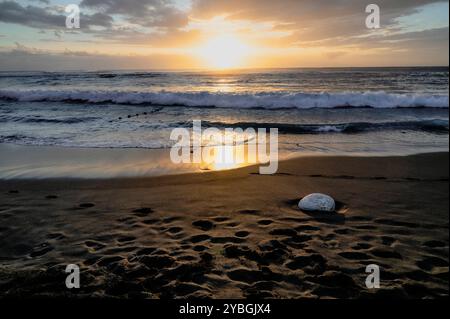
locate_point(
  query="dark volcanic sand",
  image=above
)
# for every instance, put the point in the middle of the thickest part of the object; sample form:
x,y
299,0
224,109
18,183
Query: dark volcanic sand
x,y
233,234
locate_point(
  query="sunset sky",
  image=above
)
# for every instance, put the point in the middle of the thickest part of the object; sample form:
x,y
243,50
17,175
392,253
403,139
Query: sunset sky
x,y
191,34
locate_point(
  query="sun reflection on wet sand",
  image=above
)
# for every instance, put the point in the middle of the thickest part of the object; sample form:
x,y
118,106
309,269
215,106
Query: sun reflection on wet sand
x,y
223,157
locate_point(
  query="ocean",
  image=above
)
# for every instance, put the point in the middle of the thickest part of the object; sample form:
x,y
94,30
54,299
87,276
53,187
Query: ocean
x,y
339,111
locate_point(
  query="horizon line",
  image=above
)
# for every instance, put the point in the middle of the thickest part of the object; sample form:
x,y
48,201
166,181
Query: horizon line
x,y
231,69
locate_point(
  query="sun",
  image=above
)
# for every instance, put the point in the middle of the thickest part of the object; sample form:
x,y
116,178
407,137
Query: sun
x,y
223,52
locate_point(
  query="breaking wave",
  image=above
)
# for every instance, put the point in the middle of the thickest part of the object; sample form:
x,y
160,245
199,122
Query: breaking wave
x,y
274,100
431,126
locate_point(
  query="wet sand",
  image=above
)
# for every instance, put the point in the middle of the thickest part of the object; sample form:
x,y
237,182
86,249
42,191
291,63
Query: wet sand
x,y
233,234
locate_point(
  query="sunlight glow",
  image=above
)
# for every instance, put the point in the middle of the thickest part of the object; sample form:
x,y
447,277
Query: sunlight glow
x,y
234,152
223,52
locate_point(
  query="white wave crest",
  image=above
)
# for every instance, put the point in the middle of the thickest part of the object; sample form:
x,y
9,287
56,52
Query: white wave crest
x,y
234,100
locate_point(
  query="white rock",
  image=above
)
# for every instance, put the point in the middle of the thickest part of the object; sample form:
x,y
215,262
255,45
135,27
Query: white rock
x,y
317,202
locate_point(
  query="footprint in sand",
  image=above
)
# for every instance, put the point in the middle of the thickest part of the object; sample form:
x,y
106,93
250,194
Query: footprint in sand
x,y
199,248
337,279
151,221
297,239
109,261
157,261
387,240
94,244
175,230
343,231
354,255
360,246
41,249
430,262
224,240
383,253
246,275
91,261
86,205
125,239
142,212
359,218
311,264
434,244
198,238
169,220
55,236
268,245
366,227
145,251
232,224
242,233
127,220
204,225
304,228
367,238
265,222
283,232
187,258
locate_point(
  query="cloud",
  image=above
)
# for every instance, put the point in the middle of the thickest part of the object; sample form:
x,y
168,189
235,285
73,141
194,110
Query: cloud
x,y
298,10
29,59
324,30
148,13
308,21
139,21
46,17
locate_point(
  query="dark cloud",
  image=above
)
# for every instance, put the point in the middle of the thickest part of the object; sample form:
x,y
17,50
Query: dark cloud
x,y
42,1
45,18
299,10
150,13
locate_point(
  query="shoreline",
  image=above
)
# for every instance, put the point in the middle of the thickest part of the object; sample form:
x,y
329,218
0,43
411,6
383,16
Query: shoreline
x,y
29,162
234,233
191,172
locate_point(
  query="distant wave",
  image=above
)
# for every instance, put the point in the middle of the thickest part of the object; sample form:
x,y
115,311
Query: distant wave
x,y
106,74
435,126
125,75
273,100
61,120
431,126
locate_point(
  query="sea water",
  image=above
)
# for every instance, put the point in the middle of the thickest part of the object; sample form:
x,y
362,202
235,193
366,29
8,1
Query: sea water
x,y
345,111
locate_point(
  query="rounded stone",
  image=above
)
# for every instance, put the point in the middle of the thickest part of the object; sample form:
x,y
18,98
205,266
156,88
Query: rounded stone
x,y
317,203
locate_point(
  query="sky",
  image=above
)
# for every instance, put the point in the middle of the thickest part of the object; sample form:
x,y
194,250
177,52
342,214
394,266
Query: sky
x,y
221,34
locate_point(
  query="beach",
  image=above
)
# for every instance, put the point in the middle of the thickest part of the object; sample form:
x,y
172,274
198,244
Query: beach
x,y
232,233
206,158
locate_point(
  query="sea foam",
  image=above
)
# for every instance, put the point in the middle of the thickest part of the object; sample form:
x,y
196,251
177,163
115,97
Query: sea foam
x,y
273,100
